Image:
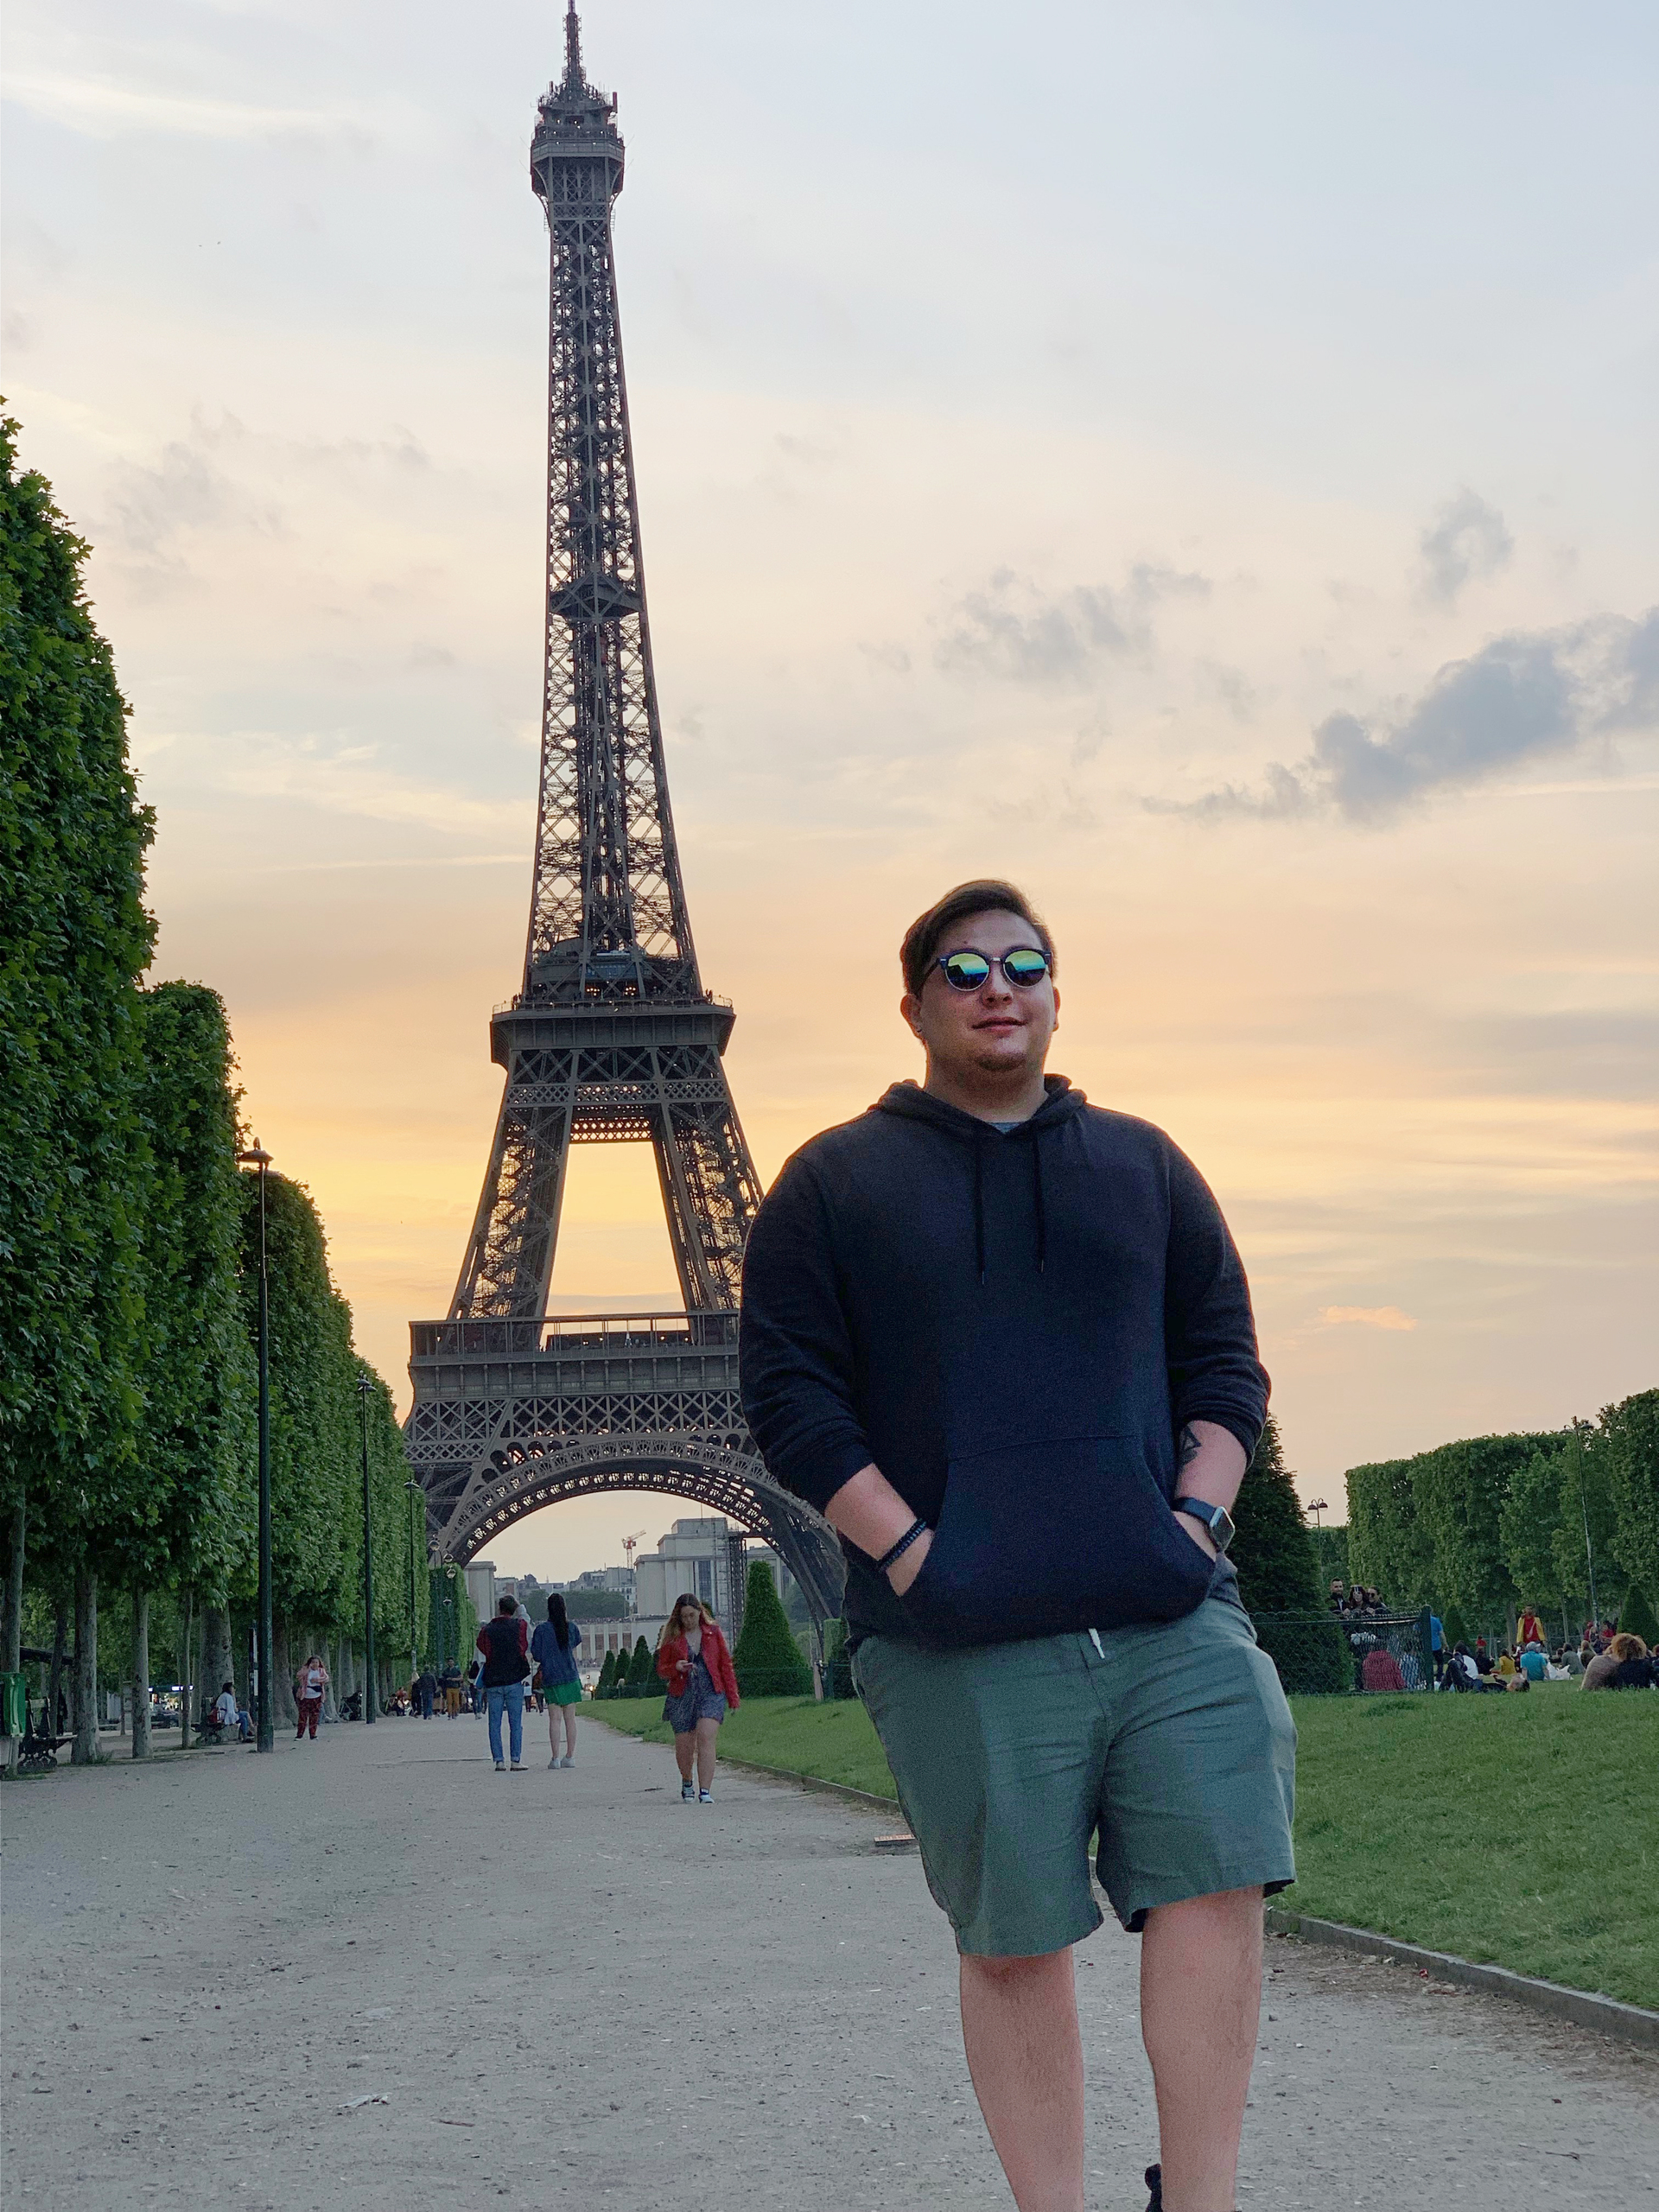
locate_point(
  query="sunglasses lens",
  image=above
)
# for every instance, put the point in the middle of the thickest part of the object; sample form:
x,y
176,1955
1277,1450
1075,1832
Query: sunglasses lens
x,y
965,972
1026,967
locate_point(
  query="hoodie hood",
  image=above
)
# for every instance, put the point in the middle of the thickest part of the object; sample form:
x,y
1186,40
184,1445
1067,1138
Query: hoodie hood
x,y
910,1102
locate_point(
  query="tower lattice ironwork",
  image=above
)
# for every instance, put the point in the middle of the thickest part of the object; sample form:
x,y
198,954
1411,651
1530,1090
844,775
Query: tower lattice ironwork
x,y
612,1034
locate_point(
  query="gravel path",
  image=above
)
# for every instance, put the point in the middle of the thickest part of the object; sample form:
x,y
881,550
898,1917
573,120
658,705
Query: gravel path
x,y
373,1973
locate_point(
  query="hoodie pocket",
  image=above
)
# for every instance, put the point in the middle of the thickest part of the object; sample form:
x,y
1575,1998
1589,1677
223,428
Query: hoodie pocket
x,y
1037,1539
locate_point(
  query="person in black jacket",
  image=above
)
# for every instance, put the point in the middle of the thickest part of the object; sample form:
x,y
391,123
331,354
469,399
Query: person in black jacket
x,y
1002,1339
504,1651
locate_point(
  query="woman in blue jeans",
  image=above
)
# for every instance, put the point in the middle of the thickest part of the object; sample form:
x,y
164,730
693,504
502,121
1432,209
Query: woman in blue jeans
x,y
504,1646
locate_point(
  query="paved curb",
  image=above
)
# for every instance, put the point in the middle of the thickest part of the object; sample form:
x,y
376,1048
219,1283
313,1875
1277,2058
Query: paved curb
x,y
1629,2022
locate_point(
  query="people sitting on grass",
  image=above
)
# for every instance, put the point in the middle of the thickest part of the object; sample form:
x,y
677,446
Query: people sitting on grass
x,y
1381,1670
1635,1670
1603,1665
1532,1661
1464,1674
1504,1667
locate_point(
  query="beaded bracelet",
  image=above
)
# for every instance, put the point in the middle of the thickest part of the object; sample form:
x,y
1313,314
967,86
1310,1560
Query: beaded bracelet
x,y
916,1530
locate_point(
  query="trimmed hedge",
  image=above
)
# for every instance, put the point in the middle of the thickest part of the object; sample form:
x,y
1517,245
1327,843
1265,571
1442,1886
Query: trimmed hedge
x,y
767,1659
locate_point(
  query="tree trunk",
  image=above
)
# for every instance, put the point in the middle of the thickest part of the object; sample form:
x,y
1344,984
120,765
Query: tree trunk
x,y
55,1680
241,1637
186,1708
331,1694
14,1650
284,1712
216,1664
141,1674
15,1589
85,1750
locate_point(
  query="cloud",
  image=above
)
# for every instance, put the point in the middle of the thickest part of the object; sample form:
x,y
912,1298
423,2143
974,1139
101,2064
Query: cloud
x,y
184,490
1368,1316
1011,629
1518,697
100,110
1467,538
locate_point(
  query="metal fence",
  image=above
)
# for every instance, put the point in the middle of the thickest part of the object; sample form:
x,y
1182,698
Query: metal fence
x,y
1345,1655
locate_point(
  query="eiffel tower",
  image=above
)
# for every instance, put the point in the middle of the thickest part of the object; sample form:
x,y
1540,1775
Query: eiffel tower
x,y
612,1036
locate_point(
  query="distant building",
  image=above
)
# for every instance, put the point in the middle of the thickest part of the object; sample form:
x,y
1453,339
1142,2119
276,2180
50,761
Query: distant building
x,y
600,1637
481,1587
704,1556
620,1579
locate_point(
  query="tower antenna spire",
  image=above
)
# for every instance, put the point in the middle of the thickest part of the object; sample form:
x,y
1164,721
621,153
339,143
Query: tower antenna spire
x,y
572,44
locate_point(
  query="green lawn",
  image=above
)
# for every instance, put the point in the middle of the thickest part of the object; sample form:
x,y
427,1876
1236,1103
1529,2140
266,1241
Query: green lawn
x,y
1520,1830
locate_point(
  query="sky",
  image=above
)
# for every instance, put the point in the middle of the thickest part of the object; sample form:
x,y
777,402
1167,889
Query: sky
x,y
1197,460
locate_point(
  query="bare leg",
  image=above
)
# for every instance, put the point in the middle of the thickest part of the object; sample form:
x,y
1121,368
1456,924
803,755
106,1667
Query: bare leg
x,y
1201,2009
685,1750
553,1730
569,1712
1019,2030
708,1735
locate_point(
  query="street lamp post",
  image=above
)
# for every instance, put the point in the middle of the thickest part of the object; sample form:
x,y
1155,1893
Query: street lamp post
x,y
371,1696
264,1740
1580,1429
414,1490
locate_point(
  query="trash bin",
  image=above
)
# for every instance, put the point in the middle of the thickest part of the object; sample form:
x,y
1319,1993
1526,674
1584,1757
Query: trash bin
x,y
14,1704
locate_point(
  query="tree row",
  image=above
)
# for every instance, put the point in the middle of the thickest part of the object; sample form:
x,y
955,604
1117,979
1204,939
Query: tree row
x,y
129,1238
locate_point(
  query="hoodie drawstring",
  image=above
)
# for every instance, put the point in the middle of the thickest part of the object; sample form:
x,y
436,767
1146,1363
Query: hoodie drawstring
x,y
1037,1202
979,1201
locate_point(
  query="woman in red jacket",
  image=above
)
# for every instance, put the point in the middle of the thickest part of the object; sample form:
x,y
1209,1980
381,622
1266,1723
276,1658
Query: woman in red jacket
x,y
693,1660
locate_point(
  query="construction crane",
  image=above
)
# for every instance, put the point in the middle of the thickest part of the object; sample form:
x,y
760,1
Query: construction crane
x,y
629,1545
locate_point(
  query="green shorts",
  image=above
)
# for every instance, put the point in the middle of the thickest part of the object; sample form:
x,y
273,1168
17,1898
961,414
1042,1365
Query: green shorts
x,y
1172,1741
564,1693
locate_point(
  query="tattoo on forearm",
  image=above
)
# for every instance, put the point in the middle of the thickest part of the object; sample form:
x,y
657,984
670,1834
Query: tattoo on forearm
x,y
1190,1446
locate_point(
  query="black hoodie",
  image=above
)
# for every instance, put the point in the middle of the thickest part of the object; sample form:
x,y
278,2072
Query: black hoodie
x,y
1016,1328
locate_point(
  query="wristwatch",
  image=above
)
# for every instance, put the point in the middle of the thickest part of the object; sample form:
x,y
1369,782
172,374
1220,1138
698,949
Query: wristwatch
x,y
1215,1518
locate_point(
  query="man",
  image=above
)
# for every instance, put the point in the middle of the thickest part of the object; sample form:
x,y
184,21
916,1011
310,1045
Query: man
x,y
504,1653
426,1691
228,1714
1002,1338
1533,1661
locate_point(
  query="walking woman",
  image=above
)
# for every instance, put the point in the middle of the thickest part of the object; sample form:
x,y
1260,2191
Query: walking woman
x,y
554,1646
310,1686
693,1660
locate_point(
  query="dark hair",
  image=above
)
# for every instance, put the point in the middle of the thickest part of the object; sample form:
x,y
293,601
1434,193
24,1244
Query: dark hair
x,y
504,1604
229,1685
559,1618
984,895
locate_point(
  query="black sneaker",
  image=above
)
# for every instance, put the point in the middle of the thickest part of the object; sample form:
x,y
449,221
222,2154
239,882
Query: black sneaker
x,y
1155,2184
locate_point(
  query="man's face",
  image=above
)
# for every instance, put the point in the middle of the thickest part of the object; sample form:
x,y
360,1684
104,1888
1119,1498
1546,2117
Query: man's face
x,y
1002,1028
